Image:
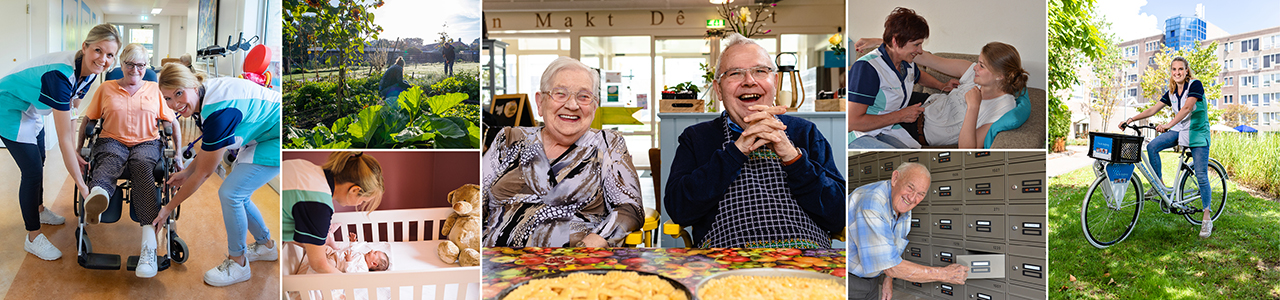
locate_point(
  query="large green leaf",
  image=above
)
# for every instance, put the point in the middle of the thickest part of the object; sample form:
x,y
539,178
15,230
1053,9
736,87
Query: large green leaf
x,y
411,100
365,126
413,136
451,127
444,102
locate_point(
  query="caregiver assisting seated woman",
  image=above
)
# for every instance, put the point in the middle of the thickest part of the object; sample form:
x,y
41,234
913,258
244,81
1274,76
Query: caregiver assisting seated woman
x,y
563,184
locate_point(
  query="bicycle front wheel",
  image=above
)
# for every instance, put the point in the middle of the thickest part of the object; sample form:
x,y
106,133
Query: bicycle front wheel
x,y
1191,192
1107,221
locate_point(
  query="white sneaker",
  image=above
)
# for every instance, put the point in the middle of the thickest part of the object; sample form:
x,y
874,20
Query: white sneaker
x,y
48,217
95,205
1206,228
41,247
260,252
146,263
228,273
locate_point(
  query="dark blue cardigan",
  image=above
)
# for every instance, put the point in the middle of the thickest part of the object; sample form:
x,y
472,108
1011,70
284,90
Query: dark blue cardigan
x,y
704,168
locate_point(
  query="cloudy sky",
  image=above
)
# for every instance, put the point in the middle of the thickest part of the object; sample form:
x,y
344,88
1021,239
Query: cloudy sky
x,y
1132,19
425,18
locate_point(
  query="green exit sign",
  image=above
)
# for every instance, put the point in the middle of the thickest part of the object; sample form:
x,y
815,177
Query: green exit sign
x,y
715,23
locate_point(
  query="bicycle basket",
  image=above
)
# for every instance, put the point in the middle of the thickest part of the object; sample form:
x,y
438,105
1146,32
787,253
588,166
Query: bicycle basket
x,y
1116,148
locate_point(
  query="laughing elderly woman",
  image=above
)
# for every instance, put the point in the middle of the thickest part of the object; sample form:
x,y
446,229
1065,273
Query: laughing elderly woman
x,y
563,184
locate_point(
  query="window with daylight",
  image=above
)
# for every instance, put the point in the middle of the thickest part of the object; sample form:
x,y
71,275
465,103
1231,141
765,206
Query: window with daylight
x,y
1152,46
1249,81
1133,77
1132,93
1227,99
1228,48
1229,81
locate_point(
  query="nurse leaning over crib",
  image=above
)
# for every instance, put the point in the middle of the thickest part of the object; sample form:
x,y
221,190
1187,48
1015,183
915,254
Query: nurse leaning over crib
x,y
310,191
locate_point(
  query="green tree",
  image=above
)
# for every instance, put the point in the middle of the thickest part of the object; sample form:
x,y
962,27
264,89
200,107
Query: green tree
x,y
1105,95
1073,36
1204,66
342,25
1238,114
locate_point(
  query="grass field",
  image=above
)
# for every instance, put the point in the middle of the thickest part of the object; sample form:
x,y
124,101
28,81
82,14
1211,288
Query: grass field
x,y
1164,258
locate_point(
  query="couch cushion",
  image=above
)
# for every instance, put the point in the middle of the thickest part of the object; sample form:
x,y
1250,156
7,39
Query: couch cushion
x,y
1010,120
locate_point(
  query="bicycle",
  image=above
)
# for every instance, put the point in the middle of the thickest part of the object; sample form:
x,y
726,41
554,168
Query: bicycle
x,y
1111,207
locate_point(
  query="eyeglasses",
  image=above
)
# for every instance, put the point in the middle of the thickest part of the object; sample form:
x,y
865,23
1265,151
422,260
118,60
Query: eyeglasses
x,y
561,95
135,66
739,74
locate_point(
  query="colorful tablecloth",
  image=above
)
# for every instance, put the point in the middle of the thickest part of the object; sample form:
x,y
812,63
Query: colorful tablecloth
x,y
504,267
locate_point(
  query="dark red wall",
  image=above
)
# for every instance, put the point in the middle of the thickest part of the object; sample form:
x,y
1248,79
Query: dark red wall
x,y
415,179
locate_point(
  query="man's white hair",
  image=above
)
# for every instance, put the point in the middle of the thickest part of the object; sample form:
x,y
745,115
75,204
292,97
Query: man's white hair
x,y
735,39
565,63
907,167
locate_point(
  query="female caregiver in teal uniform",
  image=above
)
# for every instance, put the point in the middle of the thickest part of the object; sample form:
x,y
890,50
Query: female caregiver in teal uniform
x,y
49,84
233,113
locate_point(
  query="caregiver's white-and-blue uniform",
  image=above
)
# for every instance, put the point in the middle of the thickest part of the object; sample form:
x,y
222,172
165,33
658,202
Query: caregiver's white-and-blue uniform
x,y
875,82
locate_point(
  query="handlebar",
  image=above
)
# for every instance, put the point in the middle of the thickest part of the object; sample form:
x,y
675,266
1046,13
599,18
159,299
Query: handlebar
x,y
1137,128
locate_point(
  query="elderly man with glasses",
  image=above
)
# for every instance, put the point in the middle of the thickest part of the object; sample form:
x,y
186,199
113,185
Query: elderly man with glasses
x,y
754,177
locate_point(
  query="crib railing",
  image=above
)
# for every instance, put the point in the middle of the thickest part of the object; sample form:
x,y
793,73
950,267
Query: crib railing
x,y
405,225
441,281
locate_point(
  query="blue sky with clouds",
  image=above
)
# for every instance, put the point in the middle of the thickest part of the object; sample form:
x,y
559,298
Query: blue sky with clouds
x,y
1132,19
425,18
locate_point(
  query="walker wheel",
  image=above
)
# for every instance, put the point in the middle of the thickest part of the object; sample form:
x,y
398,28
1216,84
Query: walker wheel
x,y
178,249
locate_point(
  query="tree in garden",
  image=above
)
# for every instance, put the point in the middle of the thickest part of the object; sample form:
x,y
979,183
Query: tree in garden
x,y
1105,95
339,25
1238,114
1073,36
1204,66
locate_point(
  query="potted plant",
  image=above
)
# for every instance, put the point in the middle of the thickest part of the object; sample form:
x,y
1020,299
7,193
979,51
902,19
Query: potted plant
x,y
684,90
712,97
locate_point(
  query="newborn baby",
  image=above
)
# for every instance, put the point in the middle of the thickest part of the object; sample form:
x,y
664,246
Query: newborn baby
x,y
355,256
349,257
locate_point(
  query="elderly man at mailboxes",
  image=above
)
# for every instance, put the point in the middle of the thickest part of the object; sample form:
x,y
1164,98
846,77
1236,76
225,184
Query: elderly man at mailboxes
x,y
880,214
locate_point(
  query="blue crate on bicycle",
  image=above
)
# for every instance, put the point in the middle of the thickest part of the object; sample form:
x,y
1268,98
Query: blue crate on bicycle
x,y
1116,148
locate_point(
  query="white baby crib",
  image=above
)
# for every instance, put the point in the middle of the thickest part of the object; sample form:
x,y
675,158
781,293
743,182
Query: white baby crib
x,y
416,270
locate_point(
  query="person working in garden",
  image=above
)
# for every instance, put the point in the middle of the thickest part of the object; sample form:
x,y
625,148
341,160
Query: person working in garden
x,y
392,82
1189,127
880,214
450,56
754,177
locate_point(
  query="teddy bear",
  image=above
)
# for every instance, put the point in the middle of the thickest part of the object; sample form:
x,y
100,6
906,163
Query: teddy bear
x,y
463,227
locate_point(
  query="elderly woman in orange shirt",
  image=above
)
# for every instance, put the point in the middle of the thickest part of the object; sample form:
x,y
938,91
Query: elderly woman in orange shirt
x,y
129,144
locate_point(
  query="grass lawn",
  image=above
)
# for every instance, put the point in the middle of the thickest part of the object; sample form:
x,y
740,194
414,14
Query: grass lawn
x,y
1164,258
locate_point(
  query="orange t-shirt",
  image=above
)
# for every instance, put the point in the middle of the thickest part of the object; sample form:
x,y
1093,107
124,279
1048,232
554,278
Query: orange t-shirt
x,y
129,119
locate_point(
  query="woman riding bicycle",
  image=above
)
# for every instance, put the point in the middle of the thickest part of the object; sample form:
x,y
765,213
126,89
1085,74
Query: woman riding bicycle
x,y
1188,128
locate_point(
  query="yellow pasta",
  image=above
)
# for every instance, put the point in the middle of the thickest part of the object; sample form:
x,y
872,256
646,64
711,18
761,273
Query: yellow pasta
x,y
770,287
612,285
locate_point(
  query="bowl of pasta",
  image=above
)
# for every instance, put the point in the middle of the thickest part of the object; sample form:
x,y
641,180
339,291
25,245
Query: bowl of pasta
x,y
771,283
598,284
